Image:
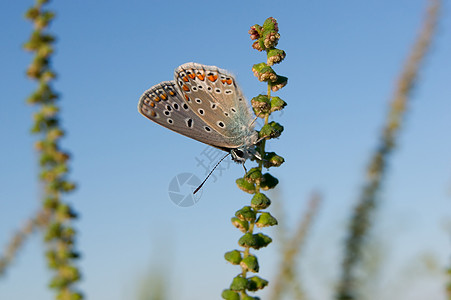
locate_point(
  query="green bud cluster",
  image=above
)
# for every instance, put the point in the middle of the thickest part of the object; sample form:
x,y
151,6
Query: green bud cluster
x,y
254,216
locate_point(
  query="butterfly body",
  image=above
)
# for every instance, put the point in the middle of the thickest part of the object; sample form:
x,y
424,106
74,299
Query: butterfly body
x,y
205,104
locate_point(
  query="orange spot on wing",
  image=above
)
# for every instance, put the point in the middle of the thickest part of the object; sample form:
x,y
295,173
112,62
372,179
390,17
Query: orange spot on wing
x,y
192,75
156,99
213,78
223,80
164,96
187,98
185,88
229,81
152,104
201,76
152,113
171,93
185,78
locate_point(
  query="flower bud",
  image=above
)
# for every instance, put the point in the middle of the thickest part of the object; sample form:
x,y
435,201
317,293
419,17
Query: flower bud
x,y
245,185
257,68
246,214
279,83
256,283
230,295
275,56
277,104
238,284
250,263
260,201
271,159
271,38
268,182
258,45
267,74
271,24
255,241
271,130
253,175
233,257
265,220
255,32
242,225
261,105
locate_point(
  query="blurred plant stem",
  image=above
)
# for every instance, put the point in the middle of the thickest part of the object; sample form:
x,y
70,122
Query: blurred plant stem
x,y
291,252
448,285
361,220
59,234
154,286
17,240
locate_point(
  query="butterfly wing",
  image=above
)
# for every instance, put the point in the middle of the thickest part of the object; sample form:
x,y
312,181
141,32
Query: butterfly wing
x,y
165,104
213,95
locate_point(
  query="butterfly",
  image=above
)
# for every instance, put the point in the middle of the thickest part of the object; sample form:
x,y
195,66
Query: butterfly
x,y
204,103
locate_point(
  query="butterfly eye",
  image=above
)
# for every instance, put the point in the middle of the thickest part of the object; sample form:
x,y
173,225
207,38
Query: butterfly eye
x,y
239,153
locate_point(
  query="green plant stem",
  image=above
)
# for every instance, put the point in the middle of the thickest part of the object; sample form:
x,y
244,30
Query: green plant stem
x,y
254,180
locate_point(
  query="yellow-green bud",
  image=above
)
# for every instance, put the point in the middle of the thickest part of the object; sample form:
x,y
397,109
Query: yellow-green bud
x,y
265,220
233,257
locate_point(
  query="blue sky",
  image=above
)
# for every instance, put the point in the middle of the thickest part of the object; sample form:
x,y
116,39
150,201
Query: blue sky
x,y
343,60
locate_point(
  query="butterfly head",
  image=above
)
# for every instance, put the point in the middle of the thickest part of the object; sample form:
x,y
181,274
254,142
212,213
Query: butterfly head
x,y
240,155
247,151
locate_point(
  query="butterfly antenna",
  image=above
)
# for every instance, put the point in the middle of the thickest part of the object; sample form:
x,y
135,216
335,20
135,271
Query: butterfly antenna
x,y
253,121
200,186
